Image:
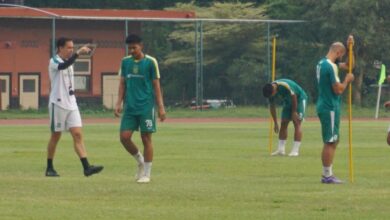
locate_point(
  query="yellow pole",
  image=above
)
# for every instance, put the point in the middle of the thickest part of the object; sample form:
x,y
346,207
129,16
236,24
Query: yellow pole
x,y
271,124
350,46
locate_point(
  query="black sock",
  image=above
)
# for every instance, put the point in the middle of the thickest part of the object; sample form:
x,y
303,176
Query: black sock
x,y
85,163
50,164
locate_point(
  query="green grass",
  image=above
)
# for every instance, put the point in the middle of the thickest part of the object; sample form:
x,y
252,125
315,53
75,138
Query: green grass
x,y
200,171
238,112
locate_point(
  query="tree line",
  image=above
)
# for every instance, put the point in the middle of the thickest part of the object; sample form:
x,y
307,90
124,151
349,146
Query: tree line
x,y
235,55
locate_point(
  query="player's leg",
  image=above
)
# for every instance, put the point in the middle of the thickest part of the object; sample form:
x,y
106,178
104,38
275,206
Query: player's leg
x,y
128,144
148,153
297,139
283,136
147,126
285,120
51,148
129,124
148,146
57,123
298,128
283,133
329,125
327,156
78,142
75,128
328,153
52,145
297,131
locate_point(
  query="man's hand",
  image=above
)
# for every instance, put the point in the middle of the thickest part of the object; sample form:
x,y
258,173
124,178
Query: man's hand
x,y
276,127
295,117
387,104
350,40
84,50
161,113
118,110
349,78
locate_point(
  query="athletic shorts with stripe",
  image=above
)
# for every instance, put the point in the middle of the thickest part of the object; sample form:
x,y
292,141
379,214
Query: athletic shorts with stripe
x,y
145,122
330,123
62,119
301,109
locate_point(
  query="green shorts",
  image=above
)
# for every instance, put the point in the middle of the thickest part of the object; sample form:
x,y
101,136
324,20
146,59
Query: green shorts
x,y
301,109
145,122
330,123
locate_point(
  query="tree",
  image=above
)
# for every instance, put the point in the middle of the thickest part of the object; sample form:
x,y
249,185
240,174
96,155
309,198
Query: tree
x,y
124,4
330,21
118,4
229,51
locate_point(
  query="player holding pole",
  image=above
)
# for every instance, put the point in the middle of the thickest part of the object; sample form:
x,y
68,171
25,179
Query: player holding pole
x,y
328,104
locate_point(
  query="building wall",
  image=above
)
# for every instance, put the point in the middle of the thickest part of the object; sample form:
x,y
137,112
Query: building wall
x,y
25,47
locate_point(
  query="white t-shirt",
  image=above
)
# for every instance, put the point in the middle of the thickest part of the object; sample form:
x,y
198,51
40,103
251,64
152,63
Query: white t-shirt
x,y
62,81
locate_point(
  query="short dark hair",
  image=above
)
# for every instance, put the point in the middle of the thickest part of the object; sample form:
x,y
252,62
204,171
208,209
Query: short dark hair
x,y
62,41
133,38
267,90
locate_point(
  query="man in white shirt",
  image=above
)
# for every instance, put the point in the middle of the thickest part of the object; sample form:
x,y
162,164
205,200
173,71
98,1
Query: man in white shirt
x,y
63,109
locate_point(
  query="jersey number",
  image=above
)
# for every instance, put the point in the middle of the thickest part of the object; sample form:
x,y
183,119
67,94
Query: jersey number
x,y
318,73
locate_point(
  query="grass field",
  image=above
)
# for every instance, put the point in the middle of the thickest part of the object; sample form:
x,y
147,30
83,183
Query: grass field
x,y
200,171
237,112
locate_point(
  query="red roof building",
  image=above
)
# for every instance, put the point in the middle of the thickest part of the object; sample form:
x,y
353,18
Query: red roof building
x,y
26,38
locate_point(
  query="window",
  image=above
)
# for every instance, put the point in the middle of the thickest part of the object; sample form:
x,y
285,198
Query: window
x,y
29,85
82,67
82,75
82,83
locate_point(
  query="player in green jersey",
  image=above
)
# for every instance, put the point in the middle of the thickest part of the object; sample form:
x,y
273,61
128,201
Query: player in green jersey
x,y
328,104
140,93
294,106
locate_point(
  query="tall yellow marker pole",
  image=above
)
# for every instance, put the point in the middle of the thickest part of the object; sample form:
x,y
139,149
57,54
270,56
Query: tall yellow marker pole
x,y
350,46
271,123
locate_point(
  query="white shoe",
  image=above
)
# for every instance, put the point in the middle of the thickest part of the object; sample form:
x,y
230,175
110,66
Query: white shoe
x,y
143,179
293,154
140,171
278,153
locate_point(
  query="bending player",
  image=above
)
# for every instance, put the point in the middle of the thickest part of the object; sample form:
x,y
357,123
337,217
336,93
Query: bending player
x,y
294,105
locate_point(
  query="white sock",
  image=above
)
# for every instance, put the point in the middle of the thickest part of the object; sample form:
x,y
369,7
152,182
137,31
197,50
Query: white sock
x,y
281,146
296,146
327,171
148,168
139,158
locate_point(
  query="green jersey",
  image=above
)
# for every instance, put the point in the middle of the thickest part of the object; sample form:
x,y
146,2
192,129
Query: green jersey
x,y
287,88
327,75
139,76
